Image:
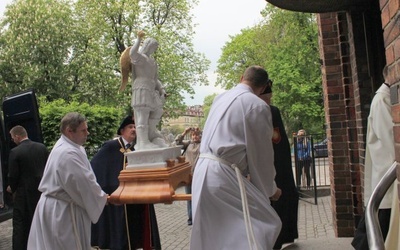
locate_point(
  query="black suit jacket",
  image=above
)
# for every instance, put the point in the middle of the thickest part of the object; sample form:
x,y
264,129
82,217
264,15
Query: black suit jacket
x,y
26,166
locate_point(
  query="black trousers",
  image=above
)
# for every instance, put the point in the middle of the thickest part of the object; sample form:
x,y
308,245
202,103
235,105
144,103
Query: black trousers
x,y
306,165
360,240
23,211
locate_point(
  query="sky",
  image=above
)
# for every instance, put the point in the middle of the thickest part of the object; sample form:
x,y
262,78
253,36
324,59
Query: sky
x,y
216,20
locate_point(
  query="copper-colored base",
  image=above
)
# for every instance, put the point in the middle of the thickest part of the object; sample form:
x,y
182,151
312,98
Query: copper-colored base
x,y
154,185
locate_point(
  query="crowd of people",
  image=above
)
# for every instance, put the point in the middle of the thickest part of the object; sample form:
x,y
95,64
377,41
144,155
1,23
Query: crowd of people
x,y
52,212
244,193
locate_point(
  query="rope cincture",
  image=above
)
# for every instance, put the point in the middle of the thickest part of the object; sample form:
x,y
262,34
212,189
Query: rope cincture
x,y
243,195
78,240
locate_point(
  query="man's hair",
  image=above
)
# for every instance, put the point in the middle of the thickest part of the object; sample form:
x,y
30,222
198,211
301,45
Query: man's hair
x,y
385,72
19,130
256,75
71,120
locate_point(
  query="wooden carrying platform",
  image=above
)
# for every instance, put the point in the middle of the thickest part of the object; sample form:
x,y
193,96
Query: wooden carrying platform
x,y
153,185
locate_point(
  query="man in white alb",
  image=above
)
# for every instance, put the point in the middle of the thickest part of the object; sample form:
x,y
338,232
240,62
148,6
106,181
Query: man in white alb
x,y
71,197
379,156
236,142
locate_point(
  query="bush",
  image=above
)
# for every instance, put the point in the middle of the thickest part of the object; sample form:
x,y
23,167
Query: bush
x,y
103,122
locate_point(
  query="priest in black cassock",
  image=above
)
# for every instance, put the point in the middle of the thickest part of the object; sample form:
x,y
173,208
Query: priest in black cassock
x,y
287,205
129,226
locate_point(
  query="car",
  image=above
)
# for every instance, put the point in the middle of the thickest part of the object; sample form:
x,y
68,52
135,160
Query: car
x,y
321,149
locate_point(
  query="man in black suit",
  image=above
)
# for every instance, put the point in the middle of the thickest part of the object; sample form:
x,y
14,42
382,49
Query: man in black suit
x,y
26,165
130,226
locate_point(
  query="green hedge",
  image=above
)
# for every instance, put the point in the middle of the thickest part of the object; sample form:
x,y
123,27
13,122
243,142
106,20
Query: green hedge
x,y
103,121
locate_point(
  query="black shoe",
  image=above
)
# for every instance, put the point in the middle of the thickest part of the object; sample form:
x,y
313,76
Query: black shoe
x,y
3,208
189,222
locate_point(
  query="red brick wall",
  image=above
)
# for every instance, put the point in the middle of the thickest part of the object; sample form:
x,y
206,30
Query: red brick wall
x,y
391,25
339,107
351,72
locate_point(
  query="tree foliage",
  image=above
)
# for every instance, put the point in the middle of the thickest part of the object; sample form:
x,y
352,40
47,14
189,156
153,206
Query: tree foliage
x,y
208,101
286,44
70,50
34,47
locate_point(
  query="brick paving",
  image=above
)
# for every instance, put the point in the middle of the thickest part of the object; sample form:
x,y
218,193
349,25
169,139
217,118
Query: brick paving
x,y
315,227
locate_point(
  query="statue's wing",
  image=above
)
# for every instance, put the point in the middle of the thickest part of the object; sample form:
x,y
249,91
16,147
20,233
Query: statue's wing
x,y
126,68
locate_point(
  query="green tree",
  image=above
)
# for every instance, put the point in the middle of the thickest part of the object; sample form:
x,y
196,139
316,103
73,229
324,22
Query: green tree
x,y
34,47
70,49
237,54
293,62
286,44
208,100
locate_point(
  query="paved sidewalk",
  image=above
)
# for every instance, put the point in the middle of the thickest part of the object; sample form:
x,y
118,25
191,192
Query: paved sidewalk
x,y
315,228
314,224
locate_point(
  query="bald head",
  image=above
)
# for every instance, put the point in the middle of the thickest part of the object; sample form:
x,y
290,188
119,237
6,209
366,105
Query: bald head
x,y
256,76
385,73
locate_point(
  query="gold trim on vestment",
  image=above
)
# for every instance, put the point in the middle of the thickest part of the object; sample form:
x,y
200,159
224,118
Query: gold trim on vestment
x,y
123,149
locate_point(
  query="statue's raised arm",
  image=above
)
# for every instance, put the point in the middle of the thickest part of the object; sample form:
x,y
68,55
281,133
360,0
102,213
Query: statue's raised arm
x,y
134,53
125,60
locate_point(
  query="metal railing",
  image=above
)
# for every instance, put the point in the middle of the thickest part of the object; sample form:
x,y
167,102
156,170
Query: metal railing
x,y
374,233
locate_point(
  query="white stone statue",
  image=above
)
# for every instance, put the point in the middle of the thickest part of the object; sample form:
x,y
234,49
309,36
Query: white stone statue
x,y
148,94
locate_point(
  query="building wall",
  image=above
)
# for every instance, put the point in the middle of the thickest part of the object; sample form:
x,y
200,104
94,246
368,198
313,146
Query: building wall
x,y
185,121
335,53
354,48
352,53
390,15
191,118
